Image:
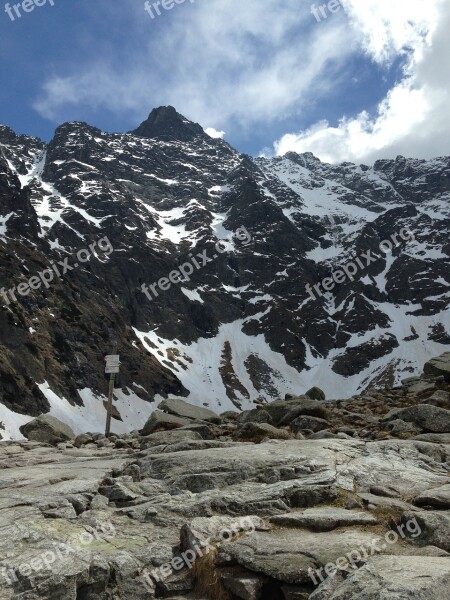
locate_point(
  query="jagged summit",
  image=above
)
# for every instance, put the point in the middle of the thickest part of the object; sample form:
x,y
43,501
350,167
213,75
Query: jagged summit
x,y
165,123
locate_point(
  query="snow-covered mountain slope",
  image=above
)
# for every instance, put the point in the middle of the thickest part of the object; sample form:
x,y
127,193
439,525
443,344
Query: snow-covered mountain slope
x,y
247,325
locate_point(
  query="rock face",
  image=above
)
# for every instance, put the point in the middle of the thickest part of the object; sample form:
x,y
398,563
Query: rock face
x,y
47,429
242,328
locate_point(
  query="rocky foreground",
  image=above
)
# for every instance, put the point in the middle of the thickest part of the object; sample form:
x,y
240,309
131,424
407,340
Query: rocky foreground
x,y
298,499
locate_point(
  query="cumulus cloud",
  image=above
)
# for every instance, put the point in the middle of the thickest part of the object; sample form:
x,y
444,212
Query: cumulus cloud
x,y
222,62
241,66
214,133
413,117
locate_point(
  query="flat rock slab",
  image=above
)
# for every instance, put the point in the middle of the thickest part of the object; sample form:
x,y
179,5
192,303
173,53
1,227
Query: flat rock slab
x,y
324,519
437,497
287,555
394,578
181,408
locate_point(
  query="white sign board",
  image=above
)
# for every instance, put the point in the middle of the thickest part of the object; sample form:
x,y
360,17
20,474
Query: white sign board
x,y
112,359
112,363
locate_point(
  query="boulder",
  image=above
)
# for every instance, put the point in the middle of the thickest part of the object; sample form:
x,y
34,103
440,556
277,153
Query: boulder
x,y
257,415
175,436
283,412
162,420
180,408
429,418
437,497
439,366
313,423
262,430
315,393
439,398
392,578
47,429
82,439
433,528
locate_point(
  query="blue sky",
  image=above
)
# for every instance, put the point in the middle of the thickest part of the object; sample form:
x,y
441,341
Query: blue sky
x,y
358,85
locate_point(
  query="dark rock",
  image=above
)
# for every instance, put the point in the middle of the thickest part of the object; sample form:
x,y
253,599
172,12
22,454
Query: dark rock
x,y
316,394
429,418
439,366
313,423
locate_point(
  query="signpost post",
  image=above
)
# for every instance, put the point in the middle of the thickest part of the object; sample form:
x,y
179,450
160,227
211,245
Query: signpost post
x,y
112,367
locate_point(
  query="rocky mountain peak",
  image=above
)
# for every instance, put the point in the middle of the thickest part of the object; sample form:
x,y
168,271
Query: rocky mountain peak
x,y
165,123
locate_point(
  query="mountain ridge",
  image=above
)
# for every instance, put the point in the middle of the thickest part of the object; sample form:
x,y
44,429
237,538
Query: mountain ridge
x,y
243,330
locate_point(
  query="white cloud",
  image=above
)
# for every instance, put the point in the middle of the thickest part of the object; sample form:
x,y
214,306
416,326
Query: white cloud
x,y
413,118
239,65
227,63
214,133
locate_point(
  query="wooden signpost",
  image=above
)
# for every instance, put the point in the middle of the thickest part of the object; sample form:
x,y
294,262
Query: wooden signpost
x,y
112,367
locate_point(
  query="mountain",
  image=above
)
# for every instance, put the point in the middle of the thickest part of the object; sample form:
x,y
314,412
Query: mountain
x,y
253,237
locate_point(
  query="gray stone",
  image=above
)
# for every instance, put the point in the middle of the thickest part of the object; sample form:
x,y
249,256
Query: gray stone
x,y
82,439
440,398
47,429
437,497
392,578
374,501
181,408
206,432
204,531
257,415
162,420
429,418
283,412
174,436
434,528
262,430
324,519
435,438
310,495
315,393
397,426
439,366
287,555
305,422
